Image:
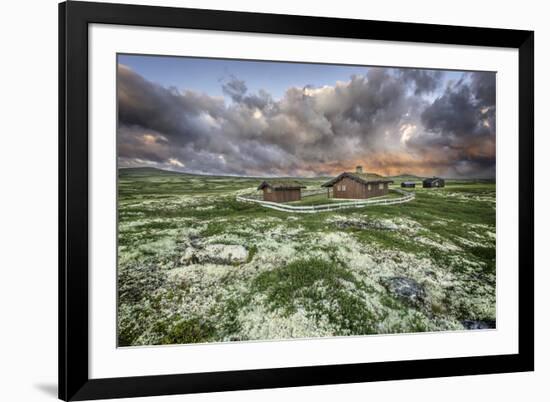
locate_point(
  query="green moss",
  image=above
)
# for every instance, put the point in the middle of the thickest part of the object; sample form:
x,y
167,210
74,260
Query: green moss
x,y
392,240
193,330
252,250
213,228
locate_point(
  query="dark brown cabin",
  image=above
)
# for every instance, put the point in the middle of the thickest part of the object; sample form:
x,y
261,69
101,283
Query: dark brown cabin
x,y
358,185
433,182
281,190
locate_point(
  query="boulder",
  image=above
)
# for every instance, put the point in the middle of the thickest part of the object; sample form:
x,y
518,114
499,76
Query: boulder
x,y
406,289
223,254
479,324
384,224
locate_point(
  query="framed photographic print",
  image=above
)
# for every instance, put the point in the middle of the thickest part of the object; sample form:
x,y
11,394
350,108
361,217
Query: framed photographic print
x,y
257,200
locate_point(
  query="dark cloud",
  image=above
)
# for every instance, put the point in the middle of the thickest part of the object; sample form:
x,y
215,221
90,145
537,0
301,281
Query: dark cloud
x,y
465,109
165,110
484,87
382,120
235,88
463,120
424,81
454,113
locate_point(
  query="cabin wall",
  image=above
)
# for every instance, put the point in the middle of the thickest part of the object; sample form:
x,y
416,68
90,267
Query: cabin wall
x,y
282,195
269,195
356,190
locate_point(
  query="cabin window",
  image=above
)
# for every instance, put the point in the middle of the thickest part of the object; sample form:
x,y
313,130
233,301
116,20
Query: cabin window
x,y
343,188
269,189
380,186
369,187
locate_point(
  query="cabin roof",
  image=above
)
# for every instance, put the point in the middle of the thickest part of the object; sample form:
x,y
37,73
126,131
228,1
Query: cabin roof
x,y
432,179
281,185
364,178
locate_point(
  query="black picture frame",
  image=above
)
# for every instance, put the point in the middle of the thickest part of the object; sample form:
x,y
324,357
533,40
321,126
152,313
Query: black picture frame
x,y
74,18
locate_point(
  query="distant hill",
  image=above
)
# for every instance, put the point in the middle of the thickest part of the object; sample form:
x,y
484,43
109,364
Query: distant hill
x,y
411,177
140,171
149,171
406,177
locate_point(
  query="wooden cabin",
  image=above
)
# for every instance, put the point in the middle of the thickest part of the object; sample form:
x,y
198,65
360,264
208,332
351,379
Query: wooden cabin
x,y
433,182
408,184
281,190
357,185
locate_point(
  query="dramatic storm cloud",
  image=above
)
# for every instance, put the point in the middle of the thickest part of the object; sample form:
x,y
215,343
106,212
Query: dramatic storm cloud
x,y
391,121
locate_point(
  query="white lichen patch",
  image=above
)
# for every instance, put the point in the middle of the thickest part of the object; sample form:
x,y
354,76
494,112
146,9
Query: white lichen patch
x,y
205,208
259,322
469,242
138,224
248,191
407,224
439,244
365,221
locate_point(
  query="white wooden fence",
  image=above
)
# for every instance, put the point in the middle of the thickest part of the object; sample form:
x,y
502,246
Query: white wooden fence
x,y
312,209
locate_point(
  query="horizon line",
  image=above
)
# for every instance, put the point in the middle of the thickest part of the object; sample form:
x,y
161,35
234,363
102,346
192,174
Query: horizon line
x,y
299,177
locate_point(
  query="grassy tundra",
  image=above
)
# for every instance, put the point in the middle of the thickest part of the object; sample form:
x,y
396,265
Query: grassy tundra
x,y
195,265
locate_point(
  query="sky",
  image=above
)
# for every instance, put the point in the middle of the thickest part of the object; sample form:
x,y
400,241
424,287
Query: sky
x,y
261,118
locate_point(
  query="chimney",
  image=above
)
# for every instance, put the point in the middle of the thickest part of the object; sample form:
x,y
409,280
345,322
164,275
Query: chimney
x,y
359,169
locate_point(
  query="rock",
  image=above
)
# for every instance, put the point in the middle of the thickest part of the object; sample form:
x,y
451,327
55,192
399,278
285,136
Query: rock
x,y
406,289
223,254
479,324
366,224
195,240
188,256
